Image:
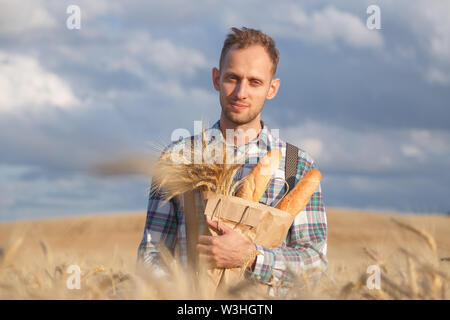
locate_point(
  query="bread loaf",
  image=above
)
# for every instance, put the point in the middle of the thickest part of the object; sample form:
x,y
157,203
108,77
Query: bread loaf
x,y
298,197
255,184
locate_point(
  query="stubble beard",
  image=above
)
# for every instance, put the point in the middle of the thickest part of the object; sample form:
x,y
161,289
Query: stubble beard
x,y
238,118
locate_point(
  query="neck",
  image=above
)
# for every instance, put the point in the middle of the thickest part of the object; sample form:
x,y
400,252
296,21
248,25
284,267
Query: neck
x,y
242,133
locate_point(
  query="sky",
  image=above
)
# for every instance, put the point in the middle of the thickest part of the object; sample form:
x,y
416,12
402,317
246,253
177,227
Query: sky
x,y
371,106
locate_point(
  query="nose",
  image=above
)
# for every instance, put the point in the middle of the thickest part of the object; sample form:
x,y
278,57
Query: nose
x,y
241,90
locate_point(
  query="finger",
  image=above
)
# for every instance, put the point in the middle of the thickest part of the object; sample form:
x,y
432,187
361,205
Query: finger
x,y
204,249
224,228
213,224
219,227
206,260
207,240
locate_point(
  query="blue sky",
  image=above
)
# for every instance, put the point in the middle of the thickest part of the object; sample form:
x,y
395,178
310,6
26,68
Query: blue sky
x,y
371,106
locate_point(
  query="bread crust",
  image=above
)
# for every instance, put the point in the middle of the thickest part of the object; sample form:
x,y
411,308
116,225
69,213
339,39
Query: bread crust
x,y
255,184
299,197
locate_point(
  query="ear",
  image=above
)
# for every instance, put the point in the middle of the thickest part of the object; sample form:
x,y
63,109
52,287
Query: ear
x,y
216,78
273,89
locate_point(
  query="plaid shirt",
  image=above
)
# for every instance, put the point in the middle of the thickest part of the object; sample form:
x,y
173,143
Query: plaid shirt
x,y
304,248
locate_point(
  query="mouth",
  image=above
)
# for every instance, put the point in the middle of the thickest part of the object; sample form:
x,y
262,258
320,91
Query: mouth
x,y
238,106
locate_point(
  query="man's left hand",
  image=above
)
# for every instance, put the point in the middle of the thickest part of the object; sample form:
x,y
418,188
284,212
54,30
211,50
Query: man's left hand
x,y
229,249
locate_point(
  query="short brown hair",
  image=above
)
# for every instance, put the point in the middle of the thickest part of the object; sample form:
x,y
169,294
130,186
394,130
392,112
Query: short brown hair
x,y
247,37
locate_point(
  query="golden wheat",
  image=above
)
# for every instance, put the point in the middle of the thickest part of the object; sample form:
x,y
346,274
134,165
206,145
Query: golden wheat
x,y
33,267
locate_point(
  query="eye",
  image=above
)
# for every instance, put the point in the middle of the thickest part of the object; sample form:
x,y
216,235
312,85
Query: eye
x,y
256,82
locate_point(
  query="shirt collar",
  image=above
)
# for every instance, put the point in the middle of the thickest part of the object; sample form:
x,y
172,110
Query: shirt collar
x,y
263,141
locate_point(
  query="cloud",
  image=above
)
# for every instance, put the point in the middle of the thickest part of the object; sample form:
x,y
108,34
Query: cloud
x,y
25,83
438,23
314,146
139,56
63,195
330,26
412,193
398,169
18,17
178,92
411,151
427,27
327,25
399,151
436,76
435,38
165,56
435,143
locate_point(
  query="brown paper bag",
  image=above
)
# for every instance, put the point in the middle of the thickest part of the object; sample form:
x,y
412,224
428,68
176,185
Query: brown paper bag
x,y
257,222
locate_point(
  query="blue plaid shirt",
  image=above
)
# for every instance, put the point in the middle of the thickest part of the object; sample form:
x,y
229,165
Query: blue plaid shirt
x,y
305,246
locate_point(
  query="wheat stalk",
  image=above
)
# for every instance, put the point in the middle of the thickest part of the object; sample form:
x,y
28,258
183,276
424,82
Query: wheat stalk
x,y
373,255
10,252
412,277
422,233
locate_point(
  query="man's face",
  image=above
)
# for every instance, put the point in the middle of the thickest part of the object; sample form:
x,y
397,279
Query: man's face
x,y
245,82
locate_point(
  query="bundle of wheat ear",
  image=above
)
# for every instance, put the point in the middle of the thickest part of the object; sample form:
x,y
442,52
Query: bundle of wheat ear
x,y
176,172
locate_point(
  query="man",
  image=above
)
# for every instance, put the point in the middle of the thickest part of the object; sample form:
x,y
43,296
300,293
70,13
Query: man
x,y
244,80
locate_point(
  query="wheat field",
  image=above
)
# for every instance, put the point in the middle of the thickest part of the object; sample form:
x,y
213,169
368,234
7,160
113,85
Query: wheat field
x,y
411,251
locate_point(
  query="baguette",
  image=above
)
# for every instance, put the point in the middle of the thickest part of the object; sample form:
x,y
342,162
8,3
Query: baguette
x,y
255,184
298,197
